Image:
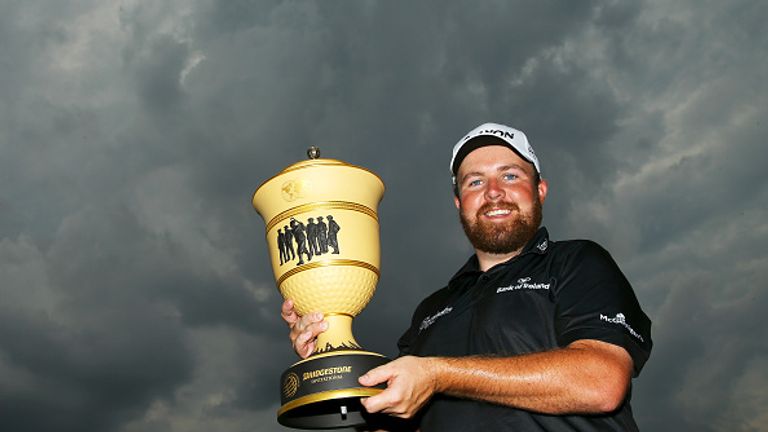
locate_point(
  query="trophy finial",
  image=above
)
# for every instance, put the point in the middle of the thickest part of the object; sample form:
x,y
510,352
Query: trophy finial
x,y
313,152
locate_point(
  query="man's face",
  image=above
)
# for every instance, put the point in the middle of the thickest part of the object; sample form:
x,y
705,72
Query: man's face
x,y
499,199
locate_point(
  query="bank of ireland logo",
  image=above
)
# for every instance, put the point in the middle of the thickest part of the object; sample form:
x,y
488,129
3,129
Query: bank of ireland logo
x,y
523,283
290,385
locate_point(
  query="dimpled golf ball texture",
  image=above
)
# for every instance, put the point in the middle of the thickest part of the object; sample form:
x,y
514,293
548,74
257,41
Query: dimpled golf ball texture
x,y
337,289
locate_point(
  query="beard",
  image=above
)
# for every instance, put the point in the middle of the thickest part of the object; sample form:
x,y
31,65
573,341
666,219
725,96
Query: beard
x,y
502,238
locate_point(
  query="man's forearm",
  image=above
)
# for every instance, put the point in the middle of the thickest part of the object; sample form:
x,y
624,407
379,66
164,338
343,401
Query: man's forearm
x,y
586,377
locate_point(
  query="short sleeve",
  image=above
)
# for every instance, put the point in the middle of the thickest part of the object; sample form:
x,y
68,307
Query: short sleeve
x,y
595,301
406,341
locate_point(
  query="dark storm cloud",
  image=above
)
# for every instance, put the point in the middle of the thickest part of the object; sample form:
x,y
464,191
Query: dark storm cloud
x,y
703,360
137,294
685,215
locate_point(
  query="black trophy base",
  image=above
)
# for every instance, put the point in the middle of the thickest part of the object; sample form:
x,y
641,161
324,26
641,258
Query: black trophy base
x,y
322,391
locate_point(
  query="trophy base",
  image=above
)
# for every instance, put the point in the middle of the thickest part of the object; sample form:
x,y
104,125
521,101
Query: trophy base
x,y
322,392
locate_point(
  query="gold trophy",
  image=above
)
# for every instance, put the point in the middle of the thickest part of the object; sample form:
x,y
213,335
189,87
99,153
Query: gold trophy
x,y
323,239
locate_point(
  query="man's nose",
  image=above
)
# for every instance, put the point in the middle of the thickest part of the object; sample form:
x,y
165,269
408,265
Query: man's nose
x,y
493,190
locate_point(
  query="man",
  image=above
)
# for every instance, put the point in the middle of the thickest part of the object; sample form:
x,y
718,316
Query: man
x,y
322,234
314,248
333,231
530,334
289,252
299,233
281,247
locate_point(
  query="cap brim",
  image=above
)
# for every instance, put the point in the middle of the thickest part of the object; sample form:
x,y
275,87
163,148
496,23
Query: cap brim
x,y
474,144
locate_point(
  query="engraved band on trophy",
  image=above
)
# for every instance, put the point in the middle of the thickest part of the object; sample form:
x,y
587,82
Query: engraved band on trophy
x,y
323,237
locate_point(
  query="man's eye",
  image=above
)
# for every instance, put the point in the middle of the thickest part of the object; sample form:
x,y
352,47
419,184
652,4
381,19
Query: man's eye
x,y
476,182
510,177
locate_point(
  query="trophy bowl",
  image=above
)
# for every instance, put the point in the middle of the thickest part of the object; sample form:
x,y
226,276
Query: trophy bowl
x,y
322,233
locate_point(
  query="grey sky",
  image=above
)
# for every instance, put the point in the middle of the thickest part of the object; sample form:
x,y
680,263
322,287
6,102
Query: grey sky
x,y
136,293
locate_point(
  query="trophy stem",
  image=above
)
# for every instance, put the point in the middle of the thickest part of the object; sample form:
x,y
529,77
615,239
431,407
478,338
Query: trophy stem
x,y
338,336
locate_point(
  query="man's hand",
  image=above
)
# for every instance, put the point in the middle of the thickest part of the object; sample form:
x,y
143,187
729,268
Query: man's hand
x,y
410,384
304,329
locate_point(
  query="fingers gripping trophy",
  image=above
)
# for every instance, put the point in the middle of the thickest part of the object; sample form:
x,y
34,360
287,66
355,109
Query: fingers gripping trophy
x,y
323,238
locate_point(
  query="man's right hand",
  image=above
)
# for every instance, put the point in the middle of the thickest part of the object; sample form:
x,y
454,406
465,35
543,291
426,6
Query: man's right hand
x,y
304,329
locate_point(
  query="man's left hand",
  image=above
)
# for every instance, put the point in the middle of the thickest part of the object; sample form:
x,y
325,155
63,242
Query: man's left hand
x,y
410,384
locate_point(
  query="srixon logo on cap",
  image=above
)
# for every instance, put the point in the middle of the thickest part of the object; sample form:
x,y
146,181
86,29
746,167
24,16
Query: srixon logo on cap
x,y
498,132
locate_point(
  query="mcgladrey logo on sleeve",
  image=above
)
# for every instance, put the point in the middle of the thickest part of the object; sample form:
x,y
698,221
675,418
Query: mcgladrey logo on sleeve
x,y
523,284
428,321
622,320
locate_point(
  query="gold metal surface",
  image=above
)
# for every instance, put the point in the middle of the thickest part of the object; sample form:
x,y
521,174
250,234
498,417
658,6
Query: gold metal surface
x,y
334,272
337,353
315,163
321,205
327,263
339,314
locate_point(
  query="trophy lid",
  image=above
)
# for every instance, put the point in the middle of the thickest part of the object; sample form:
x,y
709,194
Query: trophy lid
x,y
335,175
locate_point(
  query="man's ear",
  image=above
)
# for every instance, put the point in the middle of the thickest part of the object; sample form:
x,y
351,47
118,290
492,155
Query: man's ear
x,y
456,201
543,187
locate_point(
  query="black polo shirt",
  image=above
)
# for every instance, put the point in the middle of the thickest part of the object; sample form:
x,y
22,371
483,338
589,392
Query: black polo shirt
x,y
550,295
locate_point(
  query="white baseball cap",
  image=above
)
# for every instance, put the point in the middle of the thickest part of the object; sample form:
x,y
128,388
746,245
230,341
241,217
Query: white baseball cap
x,y
493,134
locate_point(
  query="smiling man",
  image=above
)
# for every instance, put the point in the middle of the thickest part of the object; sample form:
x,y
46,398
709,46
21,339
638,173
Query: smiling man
x,y
531,334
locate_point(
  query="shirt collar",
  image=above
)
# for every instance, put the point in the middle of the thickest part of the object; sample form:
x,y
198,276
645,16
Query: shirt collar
x,y
539,245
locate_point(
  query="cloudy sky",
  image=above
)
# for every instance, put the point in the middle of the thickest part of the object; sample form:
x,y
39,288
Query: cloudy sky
x,y
135,290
